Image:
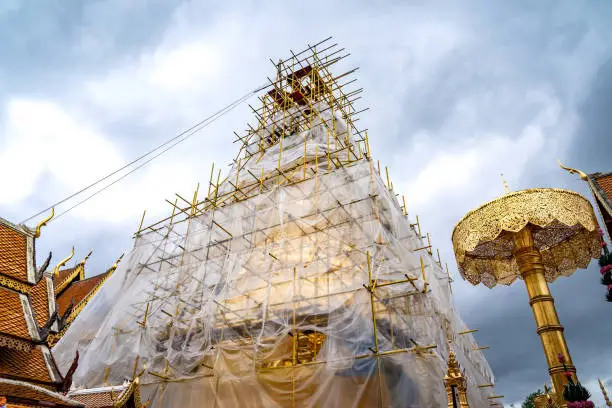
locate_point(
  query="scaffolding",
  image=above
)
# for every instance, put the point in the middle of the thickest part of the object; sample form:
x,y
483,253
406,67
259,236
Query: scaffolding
x,y
297,281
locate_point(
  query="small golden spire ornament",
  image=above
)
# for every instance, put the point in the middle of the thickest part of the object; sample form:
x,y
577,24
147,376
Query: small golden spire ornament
x,y
456,384
605,394
86,257
505,184
116,264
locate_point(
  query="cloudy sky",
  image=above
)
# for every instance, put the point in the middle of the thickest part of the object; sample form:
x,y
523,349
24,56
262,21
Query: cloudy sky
x,y
459,92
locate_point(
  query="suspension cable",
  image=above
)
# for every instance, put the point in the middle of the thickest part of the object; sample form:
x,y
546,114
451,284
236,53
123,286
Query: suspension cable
x,y
182,136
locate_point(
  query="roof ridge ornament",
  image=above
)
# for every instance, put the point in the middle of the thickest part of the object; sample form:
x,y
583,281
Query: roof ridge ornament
x,y
582,175
116,264
63,262
86,258
44,223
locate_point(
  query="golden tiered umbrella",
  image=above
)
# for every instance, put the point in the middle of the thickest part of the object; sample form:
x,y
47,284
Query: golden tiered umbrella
x,y
536,235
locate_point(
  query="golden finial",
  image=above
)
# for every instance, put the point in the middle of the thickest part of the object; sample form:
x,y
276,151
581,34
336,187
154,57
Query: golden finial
x,y
63,262
117,261
572,171
452,366
505,184
44,222
605,394
86,258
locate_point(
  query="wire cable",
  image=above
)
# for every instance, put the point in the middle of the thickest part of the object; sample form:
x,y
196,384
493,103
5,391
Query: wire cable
x,y
193,129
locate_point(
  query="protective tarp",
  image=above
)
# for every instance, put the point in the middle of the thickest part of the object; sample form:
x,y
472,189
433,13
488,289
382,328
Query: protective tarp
x,y
268,300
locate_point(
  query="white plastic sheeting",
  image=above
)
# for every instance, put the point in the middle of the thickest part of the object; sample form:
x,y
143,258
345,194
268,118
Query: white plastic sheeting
x,y
262,303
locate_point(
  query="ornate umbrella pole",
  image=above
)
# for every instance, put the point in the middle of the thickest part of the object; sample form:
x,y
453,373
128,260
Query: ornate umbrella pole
x,y
536,235
550,330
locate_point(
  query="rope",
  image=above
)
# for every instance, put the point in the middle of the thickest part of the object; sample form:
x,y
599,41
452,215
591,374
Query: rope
x,y
184,135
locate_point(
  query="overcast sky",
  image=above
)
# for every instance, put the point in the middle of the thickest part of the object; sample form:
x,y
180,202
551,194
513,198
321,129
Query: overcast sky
x,y
459,92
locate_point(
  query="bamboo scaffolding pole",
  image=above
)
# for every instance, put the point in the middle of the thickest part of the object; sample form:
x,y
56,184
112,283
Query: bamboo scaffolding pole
x,y
141,222
370,288
425,283
211,202
294,341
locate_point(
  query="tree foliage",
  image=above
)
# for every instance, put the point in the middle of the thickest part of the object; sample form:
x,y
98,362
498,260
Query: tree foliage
x,y
528,403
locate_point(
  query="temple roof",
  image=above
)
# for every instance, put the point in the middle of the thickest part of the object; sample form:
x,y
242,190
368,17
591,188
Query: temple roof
x,y
127,395
31,365
28,301
601,185
75,290
42,301
23,394
81,290
13,252
68,275
13,319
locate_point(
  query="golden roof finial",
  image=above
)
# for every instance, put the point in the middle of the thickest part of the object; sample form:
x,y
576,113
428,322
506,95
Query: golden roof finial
x,y
605,394
63,262
505,184
453,370
86,258
117,262
572,171
43,223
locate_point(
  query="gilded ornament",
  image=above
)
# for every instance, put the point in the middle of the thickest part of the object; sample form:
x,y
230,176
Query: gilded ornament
x,y
44,223
63,262
565,233
574,171
14,284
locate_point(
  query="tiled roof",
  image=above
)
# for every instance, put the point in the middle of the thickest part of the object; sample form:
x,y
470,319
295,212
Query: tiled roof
x,y
15,343
40,301
21,391
605,184
12,319
601,186
77,291
110,397
65,276
104,399
13,254
23,365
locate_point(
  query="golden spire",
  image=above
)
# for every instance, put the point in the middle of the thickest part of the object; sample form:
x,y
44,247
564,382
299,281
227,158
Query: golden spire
x,y
44,222
505,184
453,370
86,258
117,262
63,262
572,171
605,394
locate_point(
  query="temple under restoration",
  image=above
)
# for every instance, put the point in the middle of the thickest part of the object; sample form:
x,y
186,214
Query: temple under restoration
x,y
296,280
